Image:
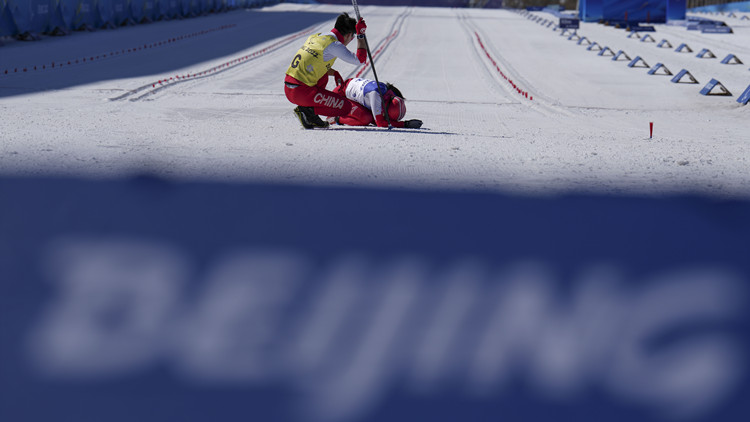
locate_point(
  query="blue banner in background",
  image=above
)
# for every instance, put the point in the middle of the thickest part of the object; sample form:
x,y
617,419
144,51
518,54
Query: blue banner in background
x,y
635,11
591,10
146,300
676,10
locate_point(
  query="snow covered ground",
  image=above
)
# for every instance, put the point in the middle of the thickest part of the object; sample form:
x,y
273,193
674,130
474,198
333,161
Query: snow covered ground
x,y
509,105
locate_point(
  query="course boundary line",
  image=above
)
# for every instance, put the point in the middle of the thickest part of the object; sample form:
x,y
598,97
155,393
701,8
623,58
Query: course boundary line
x,y
383,45
515,86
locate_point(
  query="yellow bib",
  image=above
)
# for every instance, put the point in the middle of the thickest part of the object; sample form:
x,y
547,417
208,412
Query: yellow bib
x,y
308,65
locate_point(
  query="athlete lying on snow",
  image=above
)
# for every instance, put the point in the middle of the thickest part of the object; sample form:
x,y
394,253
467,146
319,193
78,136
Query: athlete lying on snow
x,y
367,105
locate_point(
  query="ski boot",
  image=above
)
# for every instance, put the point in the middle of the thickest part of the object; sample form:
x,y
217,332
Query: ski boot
x,y
308,118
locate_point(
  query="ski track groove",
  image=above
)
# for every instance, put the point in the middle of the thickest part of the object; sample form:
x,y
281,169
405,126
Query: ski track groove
x,y
382,45
540,103
155,87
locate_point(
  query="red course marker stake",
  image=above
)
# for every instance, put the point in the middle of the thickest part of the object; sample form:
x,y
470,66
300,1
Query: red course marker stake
x,y
651,130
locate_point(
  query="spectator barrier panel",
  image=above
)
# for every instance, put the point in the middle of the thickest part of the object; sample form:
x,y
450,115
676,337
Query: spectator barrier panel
x,y
30,18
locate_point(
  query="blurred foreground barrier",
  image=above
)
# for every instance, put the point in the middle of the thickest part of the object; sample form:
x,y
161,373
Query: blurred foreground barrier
x,y
150,301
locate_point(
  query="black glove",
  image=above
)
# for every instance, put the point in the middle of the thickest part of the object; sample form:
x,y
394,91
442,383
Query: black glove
x,y
413,124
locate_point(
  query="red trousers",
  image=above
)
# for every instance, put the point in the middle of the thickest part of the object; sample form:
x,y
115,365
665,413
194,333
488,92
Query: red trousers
x,y
325,103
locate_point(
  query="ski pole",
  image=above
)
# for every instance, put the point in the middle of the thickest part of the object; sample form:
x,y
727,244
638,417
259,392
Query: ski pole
x,y
372,65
